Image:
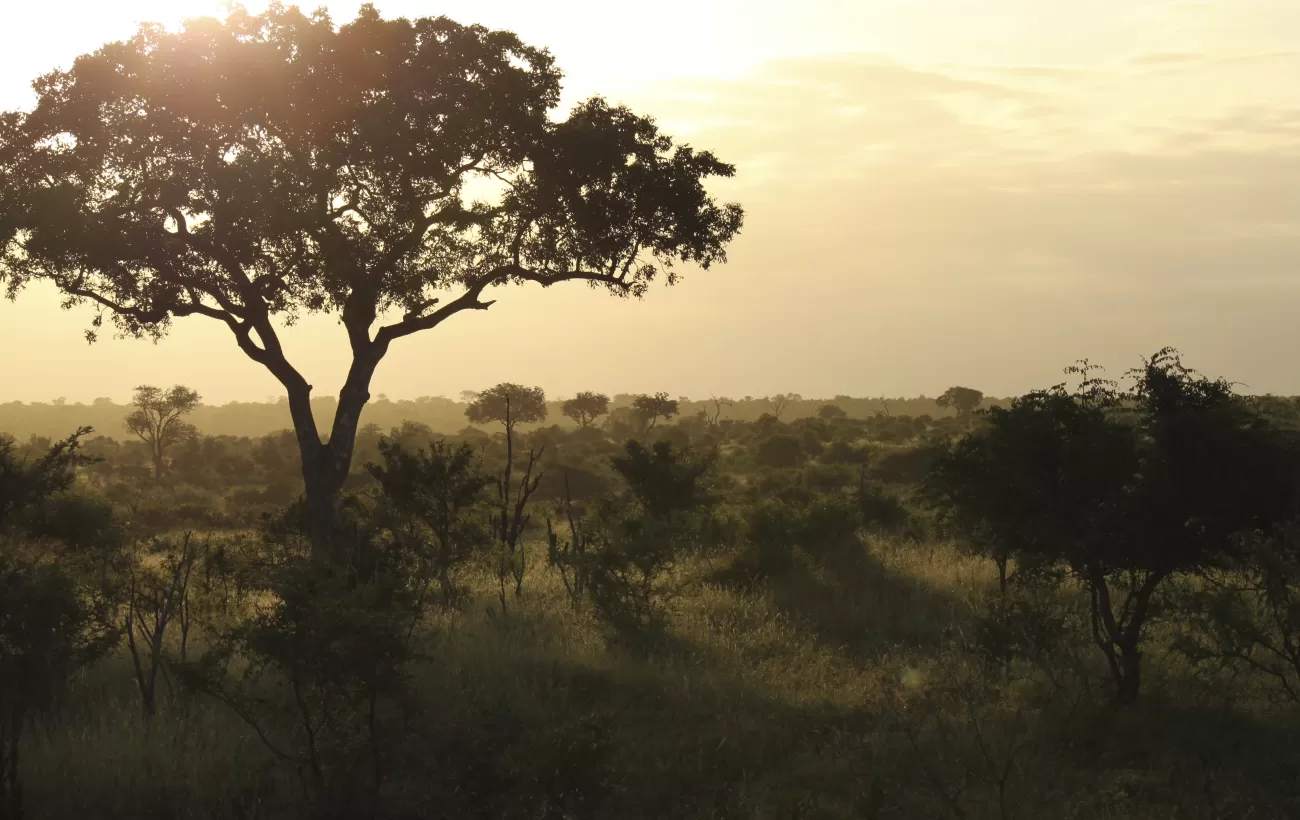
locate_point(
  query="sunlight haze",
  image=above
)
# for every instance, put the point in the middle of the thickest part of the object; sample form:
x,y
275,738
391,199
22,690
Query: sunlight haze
x,y
936,193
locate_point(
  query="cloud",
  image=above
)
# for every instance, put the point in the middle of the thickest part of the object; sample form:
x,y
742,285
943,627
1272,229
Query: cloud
x,y
940,202
1168,58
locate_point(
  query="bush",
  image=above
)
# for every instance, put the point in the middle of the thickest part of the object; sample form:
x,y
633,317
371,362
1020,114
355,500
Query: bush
x,y
880,510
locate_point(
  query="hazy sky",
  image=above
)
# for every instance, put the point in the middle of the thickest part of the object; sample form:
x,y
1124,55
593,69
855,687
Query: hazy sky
x,y
938,192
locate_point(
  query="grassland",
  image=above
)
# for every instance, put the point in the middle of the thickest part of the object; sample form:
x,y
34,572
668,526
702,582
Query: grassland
x,y
852,687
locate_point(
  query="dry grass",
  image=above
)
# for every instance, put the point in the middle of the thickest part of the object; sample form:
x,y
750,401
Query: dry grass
x,y
837,690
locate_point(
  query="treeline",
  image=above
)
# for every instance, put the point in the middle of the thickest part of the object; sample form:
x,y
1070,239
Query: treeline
x,y
440,414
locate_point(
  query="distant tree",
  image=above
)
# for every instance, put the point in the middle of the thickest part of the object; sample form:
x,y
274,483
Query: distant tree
x,y
585,408
962,399
157,420
154,180
712,418
781,401
509,404
650,409
828,412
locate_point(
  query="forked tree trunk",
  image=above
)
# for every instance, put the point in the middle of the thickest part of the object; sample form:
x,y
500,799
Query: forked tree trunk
x,y
1121,641
325,465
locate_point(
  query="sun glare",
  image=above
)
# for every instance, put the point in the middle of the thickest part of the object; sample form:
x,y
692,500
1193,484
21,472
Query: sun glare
x,y
172,14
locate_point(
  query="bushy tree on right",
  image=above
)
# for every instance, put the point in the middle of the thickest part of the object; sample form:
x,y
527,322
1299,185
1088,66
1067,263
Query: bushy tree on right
x,y
1125,489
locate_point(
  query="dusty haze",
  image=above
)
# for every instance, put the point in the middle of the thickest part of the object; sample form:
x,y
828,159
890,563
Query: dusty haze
x,y
948,192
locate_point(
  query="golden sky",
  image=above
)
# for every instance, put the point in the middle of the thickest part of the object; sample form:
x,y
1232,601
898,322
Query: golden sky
x,y
937,192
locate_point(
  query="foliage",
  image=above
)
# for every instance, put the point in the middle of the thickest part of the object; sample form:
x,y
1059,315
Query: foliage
x,y
779,451
830,412
1247,615
51,625
434,497
881,510
272,165
158,596
324,668
586,407
157,421
650,409
508,404
1127,490
664,480
964,400
824,527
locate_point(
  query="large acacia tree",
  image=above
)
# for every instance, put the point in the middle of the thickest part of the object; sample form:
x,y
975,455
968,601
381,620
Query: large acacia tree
x,y
253,169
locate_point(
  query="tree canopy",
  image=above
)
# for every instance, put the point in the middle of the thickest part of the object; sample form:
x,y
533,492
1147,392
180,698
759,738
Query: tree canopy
x,y
650,409
157,419
962,399
1125,489
586,407
255,169
509,404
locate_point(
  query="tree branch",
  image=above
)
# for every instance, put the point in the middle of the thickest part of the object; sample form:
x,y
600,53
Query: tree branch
x,y
469,300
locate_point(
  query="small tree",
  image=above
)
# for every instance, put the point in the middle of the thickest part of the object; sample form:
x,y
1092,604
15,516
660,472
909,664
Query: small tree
x,y
585,408
508,404
158,597
571,557
712,418
781,401
435,494
830,412
964,400
511,404
157,420
650,409
636,537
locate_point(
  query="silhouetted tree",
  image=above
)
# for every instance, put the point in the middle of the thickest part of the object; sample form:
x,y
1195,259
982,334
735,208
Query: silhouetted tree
x,y
509,404
962,399
712,418
829,412
781,401
157,420
437,490
274,164
1126,490
650,409
663,479
585,408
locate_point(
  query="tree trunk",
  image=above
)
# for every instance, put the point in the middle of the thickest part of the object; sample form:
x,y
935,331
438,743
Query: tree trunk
x,y
325,465
1129,678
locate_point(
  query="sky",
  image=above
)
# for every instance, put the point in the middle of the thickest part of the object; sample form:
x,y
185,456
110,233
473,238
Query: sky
x,y
938,192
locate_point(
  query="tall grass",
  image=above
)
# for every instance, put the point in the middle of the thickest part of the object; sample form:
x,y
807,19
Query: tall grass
x,y
845,688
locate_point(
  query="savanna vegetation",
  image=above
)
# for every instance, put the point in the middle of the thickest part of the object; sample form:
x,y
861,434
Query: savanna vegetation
x,y
1083,602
